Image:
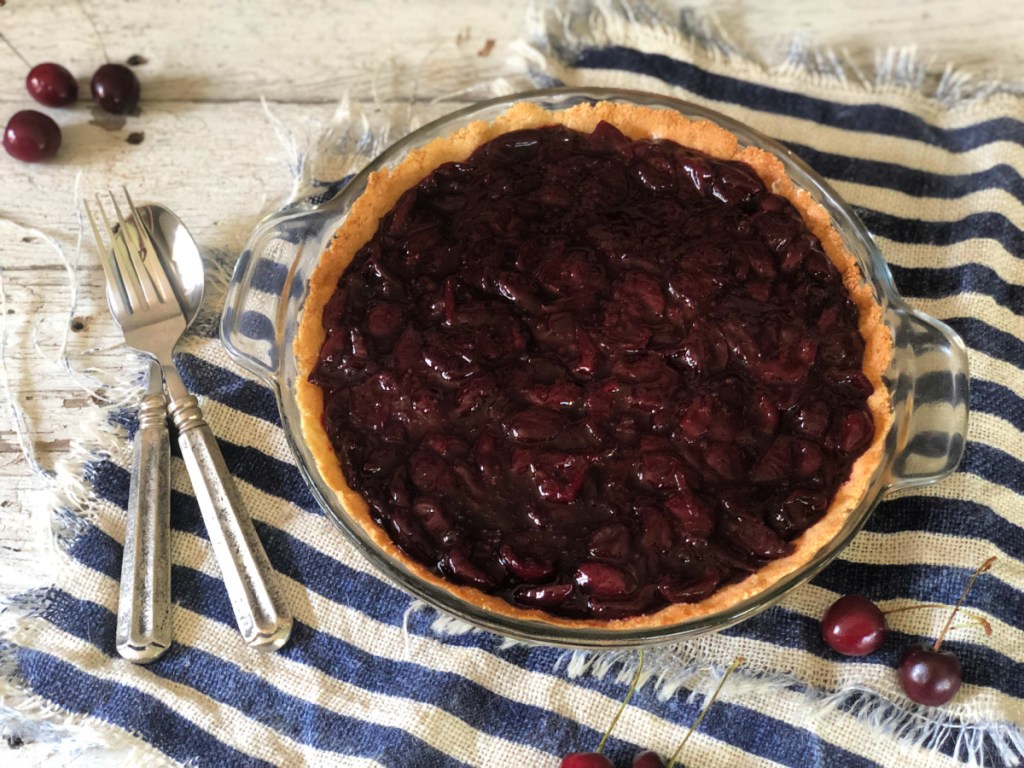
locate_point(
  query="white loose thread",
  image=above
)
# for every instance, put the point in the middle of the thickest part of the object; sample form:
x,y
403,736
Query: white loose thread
x,y
286,136
18,420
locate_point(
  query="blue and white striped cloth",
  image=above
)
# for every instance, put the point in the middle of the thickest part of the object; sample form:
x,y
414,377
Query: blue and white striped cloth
x,y
366,681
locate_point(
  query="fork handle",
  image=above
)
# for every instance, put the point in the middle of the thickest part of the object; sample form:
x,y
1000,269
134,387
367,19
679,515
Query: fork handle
x,y
252,585
143,608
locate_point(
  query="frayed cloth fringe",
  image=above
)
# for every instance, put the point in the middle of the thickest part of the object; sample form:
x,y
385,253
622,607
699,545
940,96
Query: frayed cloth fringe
x,y
560,30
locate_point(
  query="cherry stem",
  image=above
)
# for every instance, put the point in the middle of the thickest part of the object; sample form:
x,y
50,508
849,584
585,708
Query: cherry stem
x,y
980,620
703,713
949,622
983,622
622,706
92,23
16,51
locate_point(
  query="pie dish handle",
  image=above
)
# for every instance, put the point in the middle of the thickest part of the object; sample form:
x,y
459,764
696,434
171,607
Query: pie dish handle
x,y
929,383
268,276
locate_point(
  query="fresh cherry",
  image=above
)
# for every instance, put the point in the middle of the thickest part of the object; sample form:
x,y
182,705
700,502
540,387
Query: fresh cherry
x,y
52,85
929,676
854,626
932,676
648,759
586,760
31,136
115,88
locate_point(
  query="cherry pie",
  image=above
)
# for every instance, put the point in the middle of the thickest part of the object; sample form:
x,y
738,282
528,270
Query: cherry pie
x,y
591,366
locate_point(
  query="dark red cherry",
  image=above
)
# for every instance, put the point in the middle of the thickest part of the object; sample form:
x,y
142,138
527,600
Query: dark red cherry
x,y
855,432
648,759
854,626
929,676
603,580
466,571
31,136
544,596
585,760
115,88
52,85
526,569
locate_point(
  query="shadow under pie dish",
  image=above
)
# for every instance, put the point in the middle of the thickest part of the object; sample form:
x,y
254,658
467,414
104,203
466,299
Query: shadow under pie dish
x,y
595,366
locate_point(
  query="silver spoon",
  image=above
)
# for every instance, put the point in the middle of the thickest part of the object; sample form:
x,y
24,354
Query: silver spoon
x,y
143,610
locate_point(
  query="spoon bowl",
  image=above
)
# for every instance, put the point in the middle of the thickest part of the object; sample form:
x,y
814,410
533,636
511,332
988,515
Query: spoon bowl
x,y
177,250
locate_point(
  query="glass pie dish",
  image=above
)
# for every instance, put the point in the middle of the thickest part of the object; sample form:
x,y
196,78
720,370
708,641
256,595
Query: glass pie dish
x,y
927,378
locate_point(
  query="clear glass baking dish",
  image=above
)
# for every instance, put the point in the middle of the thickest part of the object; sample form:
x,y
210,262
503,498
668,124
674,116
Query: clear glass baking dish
x,y
928,377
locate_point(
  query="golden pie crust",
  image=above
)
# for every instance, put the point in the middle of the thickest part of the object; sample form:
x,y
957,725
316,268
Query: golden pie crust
x,y
382,192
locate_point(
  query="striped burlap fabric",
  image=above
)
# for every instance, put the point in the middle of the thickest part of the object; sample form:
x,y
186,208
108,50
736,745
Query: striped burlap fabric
x,y
366,681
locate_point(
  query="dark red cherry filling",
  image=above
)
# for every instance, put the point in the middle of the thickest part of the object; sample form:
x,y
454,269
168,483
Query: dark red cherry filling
x,y
593,375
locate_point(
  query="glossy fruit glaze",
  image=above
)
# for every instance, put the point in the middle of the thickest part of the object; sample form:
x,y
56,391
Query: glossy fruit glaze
x,y
592,375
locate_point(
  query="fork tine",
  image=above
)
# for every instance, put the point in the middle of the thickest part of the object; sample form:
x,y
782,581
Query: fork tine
x,y
133,234
117,298
157,270
136,256
117,244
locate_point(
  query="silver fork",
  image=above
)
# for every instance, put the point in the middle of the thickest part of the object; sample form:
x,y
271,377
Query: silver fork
x,y
143,631
151,318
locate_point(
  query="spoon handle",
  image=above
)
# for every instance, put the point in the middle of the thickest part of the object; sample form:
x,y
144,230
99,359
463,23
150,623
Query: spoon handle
x,y
251,582
143,608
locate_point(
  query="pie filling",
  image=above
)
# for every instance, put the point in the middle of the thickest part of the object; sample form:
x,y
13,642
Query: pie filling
x,y
593,376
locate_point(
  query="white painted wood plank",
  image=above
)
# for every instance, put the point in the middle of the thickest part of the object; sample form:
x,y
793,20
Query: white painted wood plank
x,y
302,50
308,50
